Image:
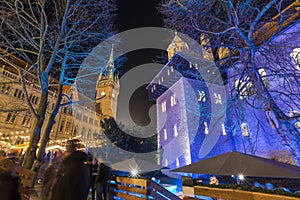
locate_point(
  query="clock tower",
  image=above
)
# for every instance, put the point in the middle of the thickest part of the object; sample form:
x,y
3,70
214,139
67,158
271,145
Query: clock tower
x,y
108,86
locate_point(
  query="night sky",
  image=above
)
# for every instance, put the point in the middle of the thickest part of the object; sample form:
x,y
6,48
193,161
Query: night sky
x,y
135,14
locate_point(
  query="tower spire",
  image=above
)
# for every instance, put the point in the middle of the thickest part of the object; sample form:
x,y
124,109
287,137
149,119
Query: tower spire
x,y
110,64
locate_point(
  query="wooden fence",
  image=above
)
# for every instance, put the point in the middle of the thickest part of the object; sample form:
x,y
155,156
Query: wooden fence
x,y
234,194
27,179
136,189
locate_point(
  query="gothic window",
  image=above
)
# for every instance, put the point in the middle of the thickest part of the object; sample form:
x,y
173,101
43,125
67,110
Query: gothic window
x,y
83,133
26,119
218,98
205,127
173,100
62,124
85,118
296,57
223,129
294,113
76,130
263,74
89,136
165,134
67,129
164,106
102,93
177,162
297,124
175,130
201,96
11,117
16,92
245,129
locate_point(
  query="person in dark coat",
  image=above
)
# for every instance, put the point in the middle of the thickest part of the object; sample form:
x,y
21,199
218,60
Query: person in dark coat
x,y
102,180
73,178
9,181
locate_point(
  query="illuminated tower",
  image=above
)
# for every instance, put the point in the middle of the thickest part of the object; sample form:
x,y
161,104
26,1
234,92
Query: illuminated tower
x,y
108,86
177,45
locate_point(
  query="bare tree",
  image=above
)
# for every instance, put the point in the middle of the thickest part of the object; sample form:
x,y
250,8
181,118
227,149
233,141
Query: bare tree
x,y
242,37
52,37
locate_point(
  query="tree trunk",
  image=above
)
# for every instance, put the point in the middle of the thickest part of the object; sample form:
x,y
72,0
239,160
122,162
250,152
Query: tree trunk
x,y
30,154
44,140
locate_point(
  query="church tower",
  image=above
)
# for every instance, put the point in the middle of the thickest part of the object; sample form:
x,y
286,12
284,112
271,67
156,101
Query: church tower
x,y
177,45
108,86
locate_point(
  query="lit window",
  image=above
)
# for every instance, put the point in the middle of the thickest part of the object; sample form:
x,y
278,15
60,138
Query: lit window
x,y
168,72
177,162
218,98
245,129
296,57
294,113
164,106
175,130
173,100
223,129
166,162
172,69
205,127
162,79
159,82
243,87
102,93
165,134
191,66
263,74
201,96
113,95
297,124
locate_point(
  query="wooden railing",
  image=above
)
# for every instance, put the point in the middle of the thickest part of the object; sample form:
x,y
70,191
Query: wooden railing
x,y
27,179
235,194
158,192
136,189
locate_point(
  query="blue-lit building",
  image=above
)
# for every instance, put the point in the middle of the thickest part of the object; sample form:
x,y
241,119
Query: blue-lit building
x,y
195,120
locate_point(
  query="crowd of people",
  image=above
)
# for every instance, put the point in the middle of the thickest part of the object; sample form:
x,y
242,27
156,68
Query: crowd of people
x,y
69,176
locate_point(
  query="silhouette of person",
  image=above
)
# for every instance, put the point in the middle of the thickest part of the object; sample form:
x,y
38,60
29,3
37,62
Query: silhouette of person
x,y
9,181
102,180
73,180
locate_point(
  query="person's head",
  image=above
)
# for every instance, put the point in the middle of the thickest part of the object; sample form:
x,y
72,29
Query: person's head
x,y
100,160
10,165
70,148
58,156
